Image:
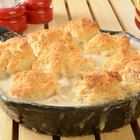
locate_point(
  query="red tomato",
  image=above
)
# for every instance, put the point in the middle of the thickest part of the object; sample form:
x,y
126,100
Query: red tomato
x,y
17,25
39,16
9,13
137,23
37,4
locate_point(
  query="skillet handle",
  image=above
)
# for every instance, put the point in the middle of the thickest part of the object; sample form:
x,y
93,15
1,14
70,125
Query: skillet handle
x,y
6,34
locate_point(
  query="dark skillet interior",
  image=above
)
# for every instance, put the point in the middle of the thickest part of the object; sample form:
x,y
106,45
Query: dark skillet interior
x,y
72,121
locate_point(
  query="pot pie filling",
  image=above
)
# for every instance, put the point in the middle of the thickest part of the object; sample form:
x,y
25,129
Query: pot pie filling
x,y
73,65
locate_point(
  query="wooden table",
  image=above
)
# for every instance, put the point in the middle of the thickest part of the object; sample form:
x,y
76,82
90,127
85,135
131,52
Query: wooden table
x,y
109,14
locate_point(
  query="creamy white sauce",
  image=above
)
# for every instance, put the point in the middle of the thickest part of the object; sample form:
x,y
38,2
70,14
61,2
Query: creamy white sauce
x,y
5,84
98,59
135,45
65,96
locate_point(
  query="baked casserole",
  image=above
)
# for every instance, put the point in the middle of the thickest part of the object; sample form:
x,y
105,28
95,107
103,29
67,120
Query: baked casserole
x,y
72,65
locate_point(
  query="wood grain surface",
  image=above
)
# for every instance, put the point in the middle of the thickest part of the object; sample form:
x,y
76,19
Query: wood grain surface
x,y
26,134
79,138
125,12
6,125
104,15
79,9
60,14
119,134
31,28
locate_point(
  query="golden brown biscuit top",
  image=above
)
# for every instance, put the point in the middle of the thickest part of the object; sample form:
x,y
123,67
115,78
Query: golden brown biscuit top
x,y
41,40
131,76
102,81
131,71
62,60
52,36
105,43
16,43
15,56
82,29
99,87
123,41
53,59
17,46
118,61
33,84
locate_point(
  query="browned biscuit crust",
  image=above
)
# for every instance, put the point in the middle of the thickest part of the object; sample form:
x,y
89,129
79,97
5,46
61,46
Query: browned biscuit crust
x,y
33,85
61,60
106,44
99,87
81,29
15,56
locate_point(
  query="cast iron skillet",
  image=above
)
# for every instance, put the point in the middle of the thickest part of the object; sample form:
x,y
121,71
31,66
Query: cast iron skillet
x,y
72,121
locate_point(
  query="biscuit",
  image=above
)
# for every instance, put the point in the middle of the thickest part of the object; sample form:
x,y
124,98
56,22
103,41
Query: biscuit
x,y
131,76
98,87
62,61
81,29
34,85
15,56
119,60
52,60
106,44
41,40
